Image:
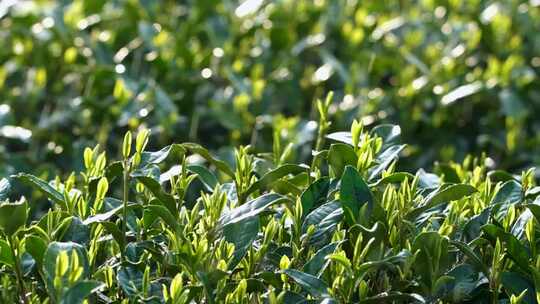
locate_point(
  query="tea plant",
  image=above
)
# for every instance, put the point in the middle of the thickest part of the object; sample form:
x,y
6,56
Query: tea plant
x,y
460,76
179,225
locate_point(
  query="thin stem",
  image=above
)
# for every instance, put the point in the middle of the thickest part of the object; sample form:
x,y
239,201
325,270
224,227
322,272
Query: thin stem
x,y
323,127
495,298
18,271
125,202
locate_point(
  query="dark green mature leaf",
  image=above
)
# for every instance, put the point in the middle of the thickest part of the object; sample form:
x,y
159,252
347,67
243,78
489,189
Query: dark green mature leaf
x,y
449,193
80,292
13,216
75,231
463,279
516,250
27,264
242,234
291,297
535,210
155,187
509,194
393,297
114,230
515,283
43,186
100,217
448,172
311,284
378,234
276,174
354,194
322,214
208,178
444,194
50,257
251,208
315,194
6,255
390,134
500,176
473,227
220,165
130,279
384,160
432,256
36,247
5,187
318,263
134,252
396,177
114,170
340,156
474,258
157,157
209,281
165,215
519,226
286,187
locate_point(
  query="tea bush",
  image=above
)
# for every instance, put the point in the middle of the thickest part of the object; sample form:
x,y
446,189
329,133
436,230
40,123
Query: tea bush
x,y
179,225
458,76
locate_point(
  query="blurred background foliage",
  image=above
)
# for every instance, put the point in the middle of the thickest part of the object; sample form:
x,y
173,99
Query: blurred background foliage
x,y
458,76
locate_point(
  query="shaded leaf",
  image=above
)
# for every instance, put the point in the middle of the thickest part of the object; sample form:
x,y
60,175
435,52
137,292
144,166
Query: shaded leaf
x,y
340,156
309,283
208,179
517,251
5,187
384,160
354,194
515,283
36,247
390,134
276,174
315,194
165,215
6,256
130,279
393,296
13,216
221,165
43,186
318,263
155,187
79,292
251,208
242,234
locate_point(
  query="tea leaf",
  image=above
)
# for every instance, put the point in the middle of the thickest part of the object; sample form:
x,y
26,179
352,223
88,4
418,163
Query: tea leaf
x,y
81,291
251,208
5,187
315,194
274,175
43,186
340,156
13,216
309,283
354,194
6,255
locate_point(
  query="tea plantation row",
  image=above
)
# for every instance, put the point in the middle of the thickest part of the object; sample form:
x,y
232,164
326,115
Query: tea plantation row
x,y
178,225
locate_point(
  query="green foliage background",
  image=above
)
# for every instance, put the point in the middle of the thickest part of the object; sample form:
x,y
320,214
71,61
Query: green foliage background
x,y
458,76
